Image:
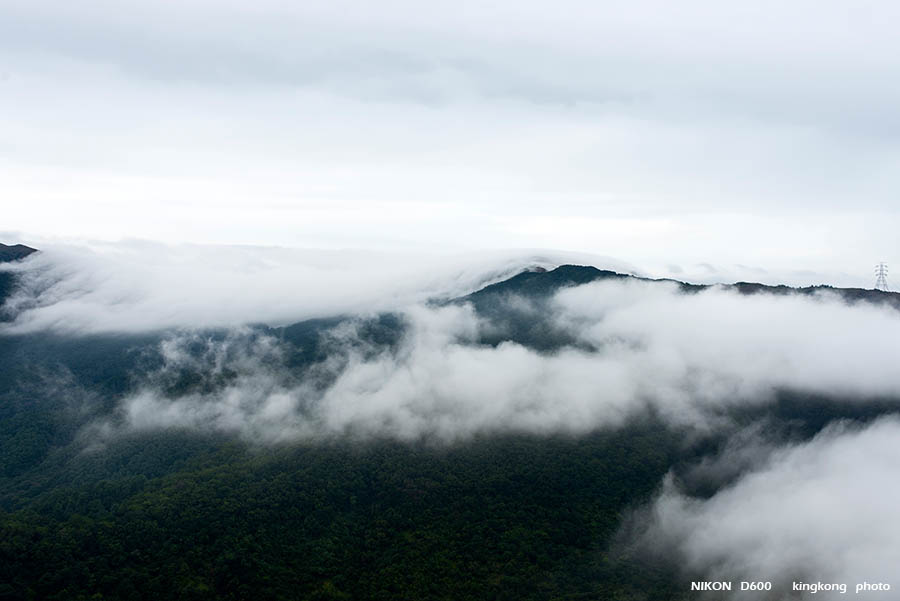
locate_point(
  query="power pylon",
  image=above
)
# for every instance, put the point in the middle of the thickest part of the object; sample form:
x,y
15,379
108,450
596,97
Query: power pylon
x,y
881,273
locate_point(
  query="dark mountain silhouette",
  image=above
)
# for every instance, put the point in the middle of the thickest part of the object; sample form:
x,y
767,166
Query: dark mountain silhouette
x,y
519,311
543,284
14,252
8,280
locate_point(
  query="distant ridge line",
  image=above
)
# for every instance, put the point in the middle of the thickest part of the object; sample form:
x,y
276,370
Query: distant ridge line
x,y
531,282
15,252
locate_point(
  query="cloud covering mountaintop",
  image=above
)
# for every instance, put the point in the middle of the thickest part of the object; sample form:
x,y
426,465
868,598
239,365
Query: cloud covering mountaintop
x,y
570,350
141,286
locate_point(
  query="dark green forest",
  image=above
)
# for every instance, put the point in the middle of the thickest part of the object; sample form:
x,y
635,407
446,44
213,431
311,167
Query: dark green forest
x,y
168,517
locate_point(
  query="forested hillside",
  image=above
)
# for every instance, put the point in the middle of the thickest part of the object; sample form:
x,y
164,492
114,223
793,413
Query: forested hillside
x,y
94,506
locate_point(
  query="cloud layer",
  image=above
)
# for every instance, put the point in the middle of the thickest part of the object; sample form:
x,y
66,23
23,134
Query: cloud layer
x,y
139,286
691,358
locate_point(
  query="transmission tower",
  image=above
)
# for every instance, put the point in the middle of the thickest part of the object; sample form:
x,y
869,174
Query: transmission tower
x,y
881,273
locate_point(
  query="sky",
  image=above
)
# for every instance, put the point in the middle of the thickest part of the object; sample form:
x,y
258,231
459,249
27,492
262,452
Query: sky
x,y
698,139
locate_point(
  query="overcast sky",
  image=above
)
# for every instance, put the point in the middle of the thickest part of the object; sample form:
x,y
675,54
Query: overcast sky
x,y
679,137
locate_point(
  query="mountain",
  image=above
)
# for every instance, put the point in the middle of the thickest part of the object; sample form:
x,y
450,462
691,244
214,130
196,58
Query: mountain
x,y
7,280
103,495
14,252
531,322
542,284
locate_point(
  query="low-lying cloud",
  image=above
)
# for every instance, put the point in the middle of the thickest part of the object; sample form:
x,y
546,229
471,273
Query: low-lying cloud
x,y
139,286
821,511
638,346
733,345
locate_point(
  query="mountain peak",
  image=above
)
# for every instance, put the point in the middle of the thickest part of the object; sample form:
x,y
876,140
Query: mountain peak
x,y
14,252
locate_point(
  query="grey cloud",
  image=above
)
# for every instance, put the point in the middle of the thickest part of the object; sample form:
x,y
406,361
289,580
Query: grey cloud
x,y
627,59
759,134
583,52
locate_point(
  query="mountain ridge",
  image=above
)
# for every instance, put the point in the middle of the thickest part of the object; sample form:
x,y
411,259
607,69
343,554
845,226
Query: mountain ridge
x,y
14,252
548,282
